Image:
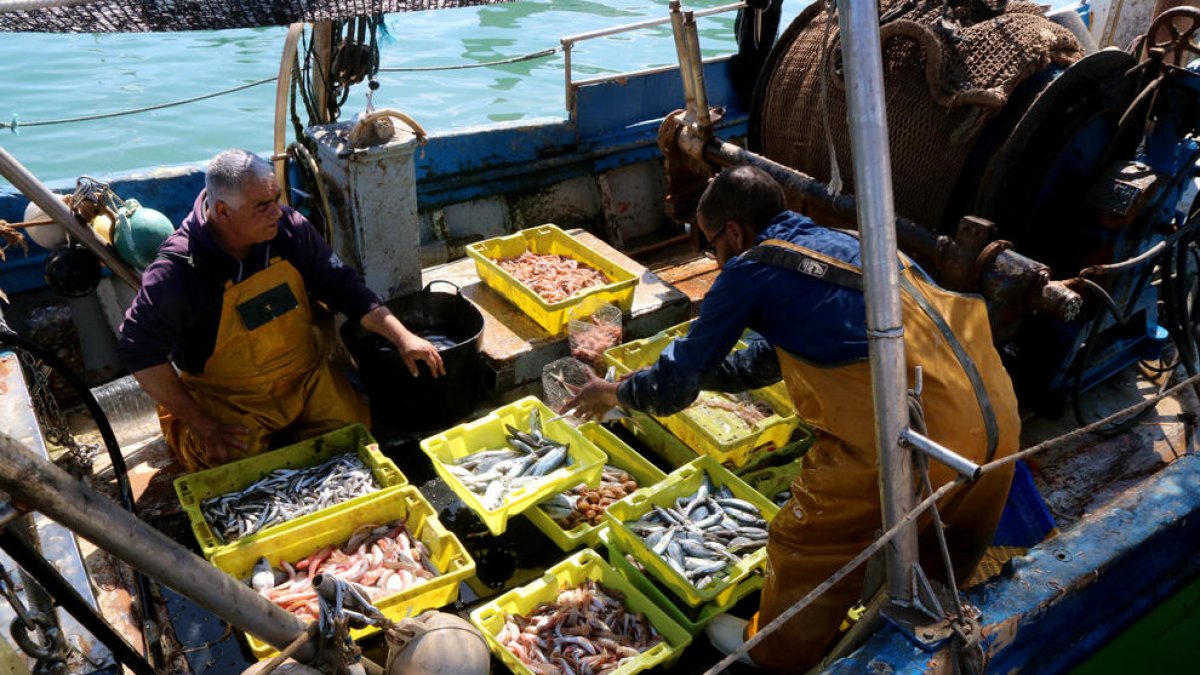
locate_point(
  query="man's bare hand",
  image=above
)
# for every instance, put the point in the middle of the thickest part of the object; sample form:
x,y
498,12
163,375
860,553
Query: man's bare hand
x,y
220,440
414,349
594,400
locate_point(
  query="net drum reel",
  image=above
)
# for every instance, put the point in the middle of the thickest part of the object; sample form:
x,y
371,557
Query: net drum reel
x,y
995,115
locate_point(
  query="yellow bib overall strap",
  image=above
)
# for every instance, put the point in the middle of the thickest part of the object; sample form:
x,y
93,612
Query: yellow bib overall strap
x,y
265,372
834,512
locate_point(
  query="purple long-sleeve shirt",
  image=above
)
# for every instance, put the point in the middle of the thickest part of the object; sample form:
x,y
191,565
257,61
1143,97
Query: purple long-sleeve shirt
x,y
176,313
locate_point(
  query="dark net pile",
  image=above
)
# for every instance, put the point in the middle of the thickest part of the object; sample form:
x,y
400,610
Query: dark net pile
x,y
142,16
941,88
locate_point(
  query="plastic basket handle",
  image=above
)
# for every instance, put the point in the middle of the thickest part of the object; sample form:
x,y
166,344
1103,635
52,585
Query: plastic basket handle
x,y
457,290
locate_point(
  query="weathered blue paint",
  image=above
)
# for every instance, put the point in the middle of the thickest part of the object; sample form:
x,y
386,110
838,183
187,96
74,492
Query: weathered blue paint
x,y
1055,606
618,103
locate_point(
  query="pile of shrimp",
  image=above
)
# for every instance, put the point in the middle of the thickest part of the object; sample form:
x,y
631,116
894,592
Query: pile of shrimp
x,y
751,411
553,277
586,630
381,559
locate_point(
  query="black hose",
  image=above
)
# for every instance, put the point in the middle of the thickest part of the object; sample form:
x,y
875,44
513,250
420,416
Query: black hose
x,y
10,339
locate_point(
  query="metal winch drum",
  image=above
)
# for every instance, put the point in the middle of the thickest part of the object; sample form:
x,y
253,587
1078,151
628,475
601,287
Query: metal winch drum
x,y
994,111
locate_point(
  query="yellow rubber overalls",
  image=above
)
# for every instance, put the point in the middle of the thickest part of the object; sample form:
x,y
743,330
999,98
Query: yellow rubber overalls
x,y
834,512
265,372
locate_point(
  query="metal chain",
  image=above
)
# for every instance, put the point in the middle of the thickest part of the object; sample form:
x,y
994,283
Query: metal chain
x,y
50,417
35,633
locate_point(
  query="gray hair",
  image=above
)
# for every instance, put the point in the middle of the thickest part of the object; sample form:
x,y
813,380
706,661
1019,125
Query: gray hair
x,y
228,172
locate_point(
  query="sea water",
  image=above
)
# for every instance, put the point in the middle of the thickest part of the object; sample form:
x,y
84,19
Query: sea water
x,y
49,77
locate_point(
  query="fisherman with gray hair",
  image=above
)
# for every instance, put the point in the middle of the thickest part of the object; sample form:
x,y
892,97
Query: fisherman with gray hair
x,y
221,333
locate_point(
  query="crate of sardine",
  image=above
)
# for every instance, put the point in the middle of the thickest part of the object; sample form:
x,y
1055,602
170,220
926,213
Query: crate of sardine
x,y
391,546
550,276
580,617
729,427
699,532
691,619
236,503
511,459
575,517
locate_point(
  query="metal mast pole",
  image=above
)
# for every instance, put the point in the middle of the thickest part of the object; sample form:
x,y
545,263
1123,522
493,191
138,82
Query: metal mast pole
x,y
867,116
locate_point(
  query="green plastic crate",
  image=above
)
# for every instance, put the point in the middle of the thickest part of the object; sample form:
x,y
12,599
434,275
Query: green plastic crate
x,y
584,565
488,432
702,429
192,489
619,455
546,240
302,540
684,482
702,615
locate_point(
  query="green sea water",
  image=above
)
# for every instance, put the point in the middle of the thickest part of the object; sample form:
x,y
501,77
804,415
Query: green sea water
x,y
48,77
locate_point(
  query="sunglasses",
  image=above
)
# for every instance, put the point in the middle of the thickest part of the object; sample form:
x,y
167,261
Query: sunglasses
x,y
709,247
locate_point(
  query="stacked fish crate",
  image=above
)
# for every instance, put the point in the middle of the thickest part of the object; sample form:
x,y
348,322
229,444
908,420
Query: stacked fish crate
x,y
757,435
329,505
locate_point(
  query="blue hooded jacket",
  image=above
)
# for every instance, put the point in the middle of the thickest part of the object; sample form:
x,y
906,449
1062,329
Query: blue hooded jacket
x,y
812,319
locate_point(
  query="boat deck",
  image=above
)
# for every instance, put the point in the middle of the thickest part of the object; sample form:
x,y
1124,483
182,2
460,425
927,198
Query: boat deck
x,y
1075,479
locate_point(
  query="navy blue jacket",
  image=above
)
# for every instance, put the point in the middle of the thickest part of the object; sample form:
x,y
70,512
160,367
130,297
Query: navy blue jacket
x,y
810,318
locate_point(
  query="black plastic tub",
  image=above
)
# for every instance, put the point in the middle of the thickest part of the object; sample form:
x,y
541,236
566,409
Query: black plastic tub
x,y
421,404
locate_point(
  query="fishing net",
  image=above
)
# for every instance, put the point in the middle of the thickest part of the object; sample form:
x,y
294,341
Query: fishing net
x,y
947,73
145,16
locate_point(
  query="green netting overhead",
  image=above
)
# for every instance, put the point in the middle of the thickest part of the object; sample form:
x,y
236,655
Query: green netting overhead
x,y
141,16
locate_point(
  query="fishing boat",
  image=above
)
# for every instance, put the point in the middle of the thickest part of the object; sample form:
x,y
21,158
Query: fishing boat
x,y
1064,194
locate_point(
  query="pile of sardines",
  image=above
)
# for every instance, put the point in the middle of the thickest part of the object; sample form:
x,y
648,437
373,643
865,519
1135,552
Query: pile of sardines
x,y
380,560
703,535
285,494
493,474
587,629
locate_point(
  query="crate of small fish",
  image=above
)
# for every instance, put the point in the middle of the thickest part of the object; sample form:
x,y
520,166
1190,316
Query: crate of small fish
x,y
391,546
233,504
580,617
699,532
513,458
691,619
730,427
550,276
575,517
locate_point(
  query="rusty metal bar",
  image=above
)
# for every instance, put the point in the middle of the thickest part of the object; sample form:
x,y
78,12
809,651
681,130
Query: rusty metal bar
x,y
1009,278
52,491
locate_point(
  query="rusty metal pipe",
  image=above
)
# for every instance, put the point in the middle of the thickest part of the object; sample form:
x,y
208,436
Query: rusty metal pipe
x,y
696,68
1009,278
681,52
43,486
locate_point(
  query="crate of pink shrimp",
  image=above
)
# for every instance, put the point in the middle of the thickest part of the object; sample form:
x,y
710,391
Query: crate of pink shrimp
x,y
391,545
580,617
551,276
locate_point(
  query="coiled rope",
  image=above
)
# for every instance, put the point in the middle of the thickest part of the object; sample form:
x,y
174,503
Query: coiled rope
x,y
15,123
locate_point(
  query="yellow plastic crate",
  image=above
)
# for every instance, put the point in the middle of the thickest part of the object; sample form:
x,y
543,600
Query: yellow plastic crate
x,y
772,480
550,240
700,616
301,541
702,429
685,482
619,455
192,489
488,433
573,571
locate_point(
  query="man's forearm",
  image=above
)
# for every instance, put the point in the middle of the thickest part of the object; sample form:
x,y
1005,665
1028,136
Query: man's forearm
x,y
163,385
381,320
